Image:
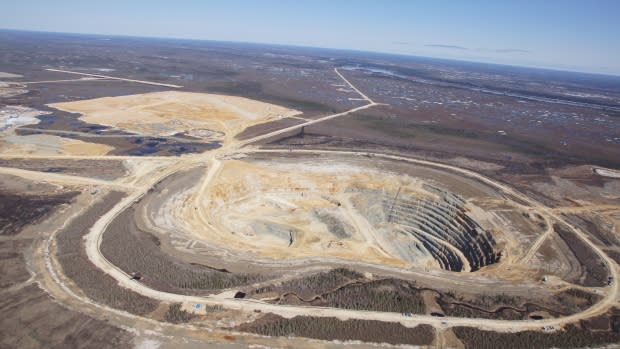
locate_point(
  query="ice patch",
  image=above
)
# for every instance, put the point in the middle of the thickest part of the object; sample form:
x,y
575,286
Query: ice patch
x,y
15,116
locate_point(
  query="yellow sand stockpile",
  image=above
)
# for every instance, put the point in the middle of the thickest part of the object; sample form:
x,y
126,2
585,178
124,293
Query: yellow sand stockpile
x,y
167,113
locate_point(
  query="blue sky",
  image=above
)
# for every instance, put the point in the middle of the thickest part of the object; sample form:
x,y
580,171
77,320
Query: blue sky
x,y
560,34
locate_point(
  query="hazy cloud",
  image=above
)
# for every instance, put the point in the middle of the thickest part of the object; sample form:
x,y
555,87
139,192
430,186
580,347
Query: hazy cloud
x,y
462,48
511,50
402,43
452,47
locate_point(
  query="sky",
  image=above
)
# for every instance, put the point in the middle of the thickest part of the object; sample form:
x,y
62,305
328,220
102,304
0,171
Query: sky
x,y
559,34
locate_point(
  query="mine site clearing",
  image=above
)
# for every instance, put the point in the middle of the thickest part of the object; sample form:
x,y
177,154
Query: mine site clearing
x,y
610,293
270,210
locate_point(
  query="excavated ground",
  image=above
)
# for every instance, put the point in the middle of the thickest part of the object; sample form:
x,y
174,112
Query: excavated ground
x,y
200,115
345,211
337,209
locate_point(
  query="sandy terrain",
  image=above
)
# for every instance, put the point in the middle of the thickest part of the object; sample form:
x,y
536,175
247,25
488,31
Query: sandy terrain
x,y
271,211
49,145
168,113
279,212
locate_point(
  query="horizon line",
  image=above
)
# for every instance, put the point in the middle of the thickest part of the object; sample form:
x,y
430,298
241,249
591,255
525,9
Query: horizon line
x,y
539,67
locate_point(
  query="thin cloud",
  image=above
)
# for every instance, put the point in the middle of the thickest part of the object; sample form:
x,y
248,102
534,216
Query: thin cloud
x,y
452,47
511,50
